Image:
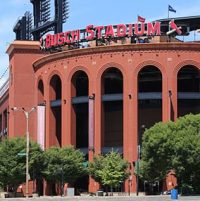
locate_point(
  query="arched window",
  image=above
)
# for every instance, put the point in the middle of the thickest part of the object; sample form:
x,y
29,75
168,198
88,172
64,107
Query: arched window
x,y
149,98
112,110
55,97
188,87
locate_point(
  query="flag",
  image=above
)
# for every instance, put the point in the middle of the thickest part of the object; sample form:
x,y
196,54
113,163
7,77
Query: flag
x,y
141,19
171,9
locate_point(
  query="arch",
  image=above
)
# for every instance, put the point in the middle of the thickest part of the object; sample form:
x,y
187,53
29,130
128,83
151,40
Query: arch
x,y
150,63
76,69
112,82
79,109
80,115
188,88
113,74
191,71
54,72
55,87
40,88
80,88
40,78
185,63
150,88
154,68
55,118
110,65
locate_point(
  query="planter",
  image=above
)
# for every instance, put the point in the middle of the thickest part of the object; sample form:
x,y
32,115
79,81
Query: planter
x,y
35,195
3,195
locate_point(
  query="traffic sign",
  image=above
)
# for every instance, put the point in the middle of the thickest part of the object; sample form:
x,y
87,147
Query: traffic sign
x,y
21,154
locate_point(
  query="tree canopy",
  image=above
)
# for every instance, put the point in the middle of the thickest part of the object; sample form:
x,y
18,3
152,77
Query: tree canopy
x,y
66,162
173,146
12,164
109,170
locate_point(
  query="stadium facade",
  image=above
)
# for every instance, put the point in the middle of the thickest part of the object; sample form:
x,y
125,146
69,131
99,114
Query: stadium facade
x,y
102,95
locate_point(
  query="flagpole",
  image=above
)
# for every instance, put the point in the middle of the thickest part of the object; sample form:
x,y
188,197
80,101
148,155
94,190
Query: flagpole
x,y
168,19
168,25
168,11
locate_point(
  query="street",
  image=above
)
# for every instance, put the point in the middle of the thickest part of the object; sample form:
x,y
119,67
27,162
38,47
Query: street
x,y
113,198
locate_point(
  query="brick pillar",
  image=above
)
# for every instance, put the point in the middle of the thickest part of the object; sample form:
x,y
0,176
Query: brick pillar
x,y
73,116
22,54
97,121
166,100
130,104
69,126
94,122
174,97
66,102
47,114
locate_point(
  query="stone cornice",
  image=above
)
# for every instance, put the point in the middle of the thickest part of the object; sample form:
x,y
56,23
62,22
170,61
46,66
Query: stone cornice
x,y
29,46
117,48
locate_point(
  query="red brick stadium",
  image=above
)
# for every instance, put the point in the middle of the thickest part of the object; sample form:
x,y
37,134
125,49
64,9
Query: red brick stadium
x,y
101,95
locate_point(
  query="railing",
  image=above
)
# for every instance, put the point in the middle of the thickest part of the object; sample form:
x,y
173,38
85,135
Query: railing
x,y
119,97
41,23
17,21
4,88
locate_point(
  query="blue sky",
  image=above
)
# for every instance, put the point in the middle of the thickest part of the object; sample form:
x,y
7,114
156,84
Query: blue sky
x,y
97,12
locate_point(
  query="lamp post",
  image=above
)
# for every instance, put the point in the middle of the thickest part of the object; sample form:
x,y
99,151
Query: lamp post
x,y
129,185
59,172
62,180
27,114
137,166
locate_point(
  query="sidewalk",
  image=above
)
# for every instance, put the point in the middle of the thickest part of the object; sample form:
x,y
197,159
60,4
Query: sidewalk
x,y
110,198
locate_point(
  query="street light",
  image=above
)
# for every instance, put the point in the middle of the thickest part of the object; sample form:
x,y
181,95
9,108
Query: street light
x,y
137,164
61,173
129,185
26,113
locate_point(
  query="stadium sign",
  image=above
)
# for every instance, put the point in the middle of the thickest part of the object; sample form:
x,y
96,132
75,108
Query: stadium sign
x,y
108,32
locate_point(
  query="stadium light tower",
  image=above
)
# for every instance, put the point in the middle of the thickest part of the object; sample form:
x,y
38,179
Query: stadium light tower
x,y
23,26
43,22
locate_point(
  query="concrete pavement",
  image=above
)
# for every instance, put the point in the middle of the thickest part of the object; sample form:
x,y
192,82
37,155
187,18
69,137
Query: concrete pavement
x,y
109,198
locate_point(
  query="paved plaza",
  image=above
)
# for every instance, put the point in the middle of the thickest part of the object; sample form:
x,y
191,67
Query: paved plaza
x,y
119,198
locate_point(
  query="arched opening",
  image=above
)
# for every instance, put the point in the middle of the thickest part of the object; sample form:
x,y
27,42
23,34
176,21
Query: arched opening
x,y
79,92
40,92
112,110
150,98
55,124
112,113
149,102
188,87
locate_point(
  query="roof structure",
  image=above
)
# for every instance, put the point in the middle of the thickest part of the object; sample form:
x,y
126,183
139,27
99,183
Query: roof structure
x,y
189,23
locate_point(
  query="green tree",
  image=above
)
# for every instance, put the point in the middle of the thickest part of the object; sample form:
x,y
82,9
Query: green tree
x,y
173,145
12,165
63,164
109,170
